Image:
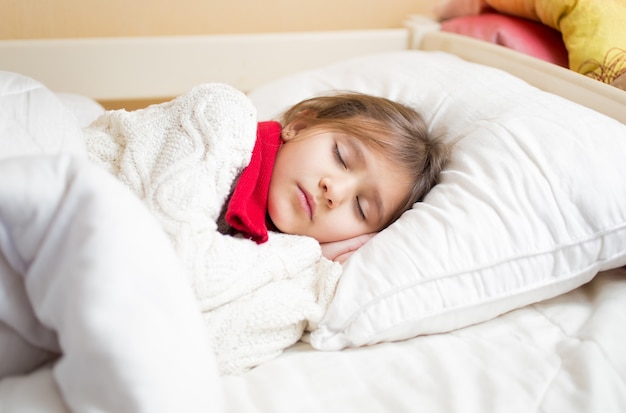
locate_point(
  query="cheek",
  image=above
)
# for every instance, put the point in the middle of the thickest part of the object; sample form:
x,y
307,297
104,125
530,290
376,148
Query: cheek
x,y
281,212
274,207
341,226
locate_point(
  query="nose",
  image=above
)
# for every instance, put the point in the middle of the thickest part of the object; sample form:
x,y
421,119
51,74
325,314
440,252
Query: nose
x,y
335,191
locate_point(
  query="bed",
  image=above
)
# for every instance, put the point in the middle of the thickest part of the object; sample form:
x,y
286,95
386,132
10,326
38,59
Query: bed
x,y
502,291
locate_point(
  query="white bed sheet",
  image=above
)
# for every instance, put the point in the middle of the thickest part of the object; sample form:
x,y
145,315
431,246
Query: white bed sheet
x,y
562,355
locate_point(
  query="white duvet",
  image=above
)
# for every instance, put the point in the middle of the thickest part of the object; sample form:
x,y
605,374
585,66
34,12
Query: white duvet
x,y
130,337
87,273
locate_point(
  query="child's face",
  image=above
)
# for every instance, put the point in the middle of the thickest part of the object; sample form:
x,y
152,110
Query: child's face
x,y
331,187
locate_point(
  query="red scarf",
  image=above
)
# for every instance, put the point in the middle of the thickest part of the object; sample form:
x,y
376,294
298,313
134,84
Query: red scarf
x,y
247,208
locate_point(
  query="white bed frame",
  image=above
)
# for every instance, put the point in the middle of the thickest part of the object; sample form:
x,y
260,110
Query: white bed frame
x,y
153,68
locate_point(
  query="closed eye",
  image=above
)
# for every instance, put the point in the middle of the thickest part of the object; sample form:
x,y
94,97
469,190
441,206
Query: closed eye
x,y
359,209
338,156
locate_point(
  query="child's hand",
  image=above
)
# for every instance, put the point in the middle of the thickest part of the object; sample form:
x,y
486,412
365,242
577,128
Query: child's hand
x,y
340,251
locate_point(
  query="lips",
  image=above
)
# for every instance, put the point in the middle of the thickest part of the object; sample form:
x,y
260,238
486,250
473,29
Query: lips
x,y
306,202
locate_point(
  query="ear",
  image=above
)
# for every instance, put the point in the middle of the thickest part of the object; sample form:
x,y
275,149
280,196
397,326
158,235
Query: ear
x,y
292,129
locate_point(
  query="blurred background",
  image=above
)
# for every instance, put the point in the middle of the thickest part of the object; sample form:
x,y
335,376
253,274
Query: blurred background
x,y
32,19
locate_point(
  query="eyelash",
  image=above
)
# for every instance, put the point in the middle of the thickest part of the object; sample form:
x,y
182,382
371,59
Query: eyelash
x,y
360,210
343,163
339,157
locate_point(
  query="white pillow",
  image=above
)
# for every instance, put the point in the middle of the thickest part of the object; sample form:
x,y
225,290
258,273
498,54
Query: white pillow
x,y
531,205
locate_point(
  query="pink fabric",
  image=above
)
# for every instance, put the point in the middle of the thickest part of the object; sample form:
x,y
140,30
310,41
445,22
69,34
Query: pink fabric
x,y
525,36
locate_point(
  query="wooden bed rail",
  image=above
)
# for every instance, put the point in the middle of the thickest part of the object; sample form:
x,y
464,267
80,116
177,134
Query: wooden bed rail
x,y
425,35
156,67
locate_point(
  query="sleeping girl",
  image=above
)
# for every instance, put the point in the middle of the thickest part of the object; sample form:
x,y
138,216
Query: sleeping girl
x,y
260,213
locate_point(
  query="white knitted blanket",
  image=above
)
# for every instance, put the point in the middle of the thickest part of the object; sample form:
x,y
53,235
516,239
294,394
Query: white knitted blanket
x,y
181,158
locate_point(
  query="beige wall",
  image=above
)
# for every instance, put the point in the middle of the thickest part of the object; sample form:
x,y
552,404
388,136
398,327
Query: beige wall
x,y
25,19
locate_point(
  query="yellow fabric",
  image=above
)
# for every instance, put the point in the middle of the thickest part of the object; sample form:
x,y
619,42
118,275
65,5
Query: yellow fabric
x,y
593,31
521,8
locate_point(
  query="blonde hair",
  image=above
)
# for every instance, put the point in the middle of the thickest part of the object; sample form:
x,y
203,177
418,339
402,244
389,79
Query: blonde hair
x,y
395,130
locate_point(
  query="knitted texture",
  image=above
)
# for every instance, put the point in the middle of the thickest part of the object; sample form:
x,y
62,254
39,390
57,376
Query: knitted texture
x,y
181,158
247,208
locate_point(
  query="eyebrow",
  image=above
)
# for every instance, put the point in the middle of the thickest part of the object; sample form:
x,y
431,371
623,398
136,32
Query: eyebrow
x,y
356,146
